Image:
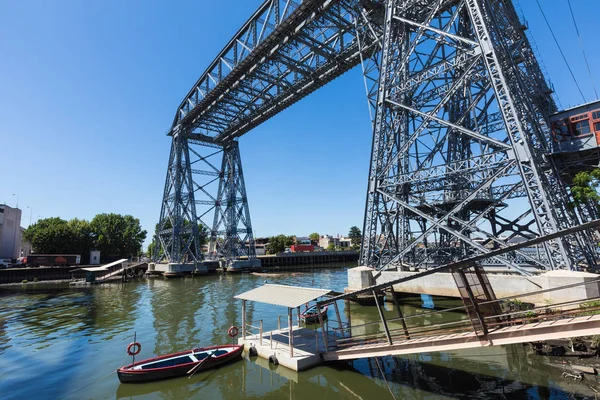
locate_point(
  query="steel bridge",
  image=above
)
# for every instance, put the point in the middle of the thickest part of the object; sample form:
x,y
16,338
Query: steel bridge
x,y
459,109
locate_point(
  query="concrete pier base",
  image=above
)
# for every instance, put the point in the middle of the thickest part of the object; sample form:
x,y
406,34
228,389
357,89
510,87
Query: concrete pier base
x,y
179,269
442,284
241,265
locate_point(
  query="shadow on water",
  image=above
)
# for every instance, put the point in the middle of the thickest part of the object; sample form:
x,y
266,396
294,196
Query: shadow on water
x,y
445,375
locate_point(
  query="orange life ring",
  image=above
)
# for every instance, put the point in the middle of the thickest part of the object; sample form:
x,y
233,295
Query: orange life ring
x,y
233,331
138,348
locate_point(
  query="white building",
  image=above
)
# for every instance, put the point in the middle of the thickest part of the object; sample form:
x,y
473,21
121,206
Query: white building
x,y
340,242
10,232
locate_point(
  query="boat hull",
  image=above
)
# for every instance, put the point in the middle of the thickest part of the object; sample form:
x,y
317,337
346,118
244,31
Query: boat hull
x,y
129,375
313,318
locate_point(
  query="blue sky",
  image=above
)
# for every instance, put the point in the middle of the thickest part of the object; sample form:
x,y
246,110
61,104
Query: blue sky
x,y
89,89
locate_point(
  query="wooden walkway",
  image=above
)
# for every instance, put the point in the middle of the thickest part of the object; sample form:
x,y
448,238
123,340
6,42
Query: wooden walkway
x,y
531,332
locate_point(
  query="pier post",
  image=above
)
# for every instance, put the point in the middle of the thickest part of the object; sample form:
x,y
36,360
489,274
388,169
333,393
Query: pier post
x,y
291,333
323,331
337,313
244,319
400,315
385,327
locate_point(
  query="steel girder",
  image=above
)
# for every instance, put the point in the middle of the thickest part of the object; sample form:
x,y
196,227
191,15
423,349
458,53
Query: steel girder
x,y
287,50
458,105
177,231
232,228
440,176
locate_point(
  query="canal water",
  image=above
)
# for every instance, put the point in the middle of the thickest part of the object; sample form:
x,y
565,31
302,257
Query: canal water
x,y
58,342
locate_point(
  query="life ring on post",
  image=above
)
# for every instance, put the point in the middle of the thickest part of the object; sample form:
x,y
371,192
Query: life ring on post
x,y
134,348
233,331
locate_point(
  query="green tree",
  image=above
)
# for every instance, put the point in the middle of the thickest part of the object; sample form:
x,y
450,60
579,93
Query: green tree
x,y
355,235
585,187
82,237
49,235
331,247
315,237
277,244
118,235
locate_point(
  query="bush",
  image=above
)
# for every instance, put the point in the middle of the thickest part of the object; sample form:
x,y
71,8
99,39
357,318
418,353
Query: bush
x,y
24,281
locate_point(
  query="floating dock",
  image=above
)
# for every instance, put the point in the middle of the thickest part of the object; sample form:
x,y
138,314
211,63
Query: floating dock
x,y
304,353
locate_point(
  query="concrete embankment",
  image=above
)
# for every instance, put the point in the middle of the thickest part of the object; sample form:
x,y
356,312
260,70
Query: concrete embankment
x,y
442,284
18,275
322,257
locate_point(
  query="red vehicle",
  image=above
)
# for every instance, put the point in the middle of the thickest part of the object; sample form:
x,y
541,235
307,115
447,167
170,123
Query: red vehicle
x,y
51,260
300,248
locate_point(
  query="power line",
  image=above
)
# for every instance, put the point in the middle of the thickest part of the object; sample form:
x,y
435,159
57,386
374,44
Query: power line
x,y
582,48
560,49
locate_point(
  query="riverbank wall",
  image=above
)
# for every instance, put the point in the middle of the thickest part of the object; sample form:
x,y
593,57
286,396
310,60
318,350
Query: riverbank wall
x,y
268,263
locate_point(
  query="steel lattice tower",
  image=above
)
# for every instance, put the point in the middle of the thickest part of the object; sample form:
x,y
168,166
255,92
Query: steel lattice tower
x,y
459,108
459,131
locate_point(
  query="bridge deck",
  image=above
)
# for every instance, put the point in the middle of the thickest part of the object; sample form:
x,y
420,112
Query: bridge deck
x,y
531,332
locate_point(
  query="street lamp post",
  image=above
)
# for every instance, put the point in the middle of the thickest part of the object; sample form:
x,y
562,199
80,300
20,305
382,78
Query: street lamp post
x,y
15,194
30,210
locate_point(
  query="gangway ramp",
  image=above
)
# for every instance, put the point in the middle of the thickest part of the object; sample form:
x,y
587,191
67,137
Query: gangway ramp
x,y
532,332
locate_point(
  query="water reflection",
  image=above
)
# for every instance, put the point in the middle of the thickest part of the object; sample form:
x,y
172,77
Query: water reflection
x,y
50,336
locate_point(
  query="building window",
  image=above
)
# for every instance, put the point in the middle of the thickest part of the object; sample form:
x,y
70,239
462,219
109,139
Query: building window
x,y
581,128
597,127
579,117
596,114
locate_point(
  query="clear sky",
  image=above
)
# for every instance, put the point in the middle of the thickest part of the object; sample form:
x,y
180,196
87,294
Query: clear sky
x,y
88,90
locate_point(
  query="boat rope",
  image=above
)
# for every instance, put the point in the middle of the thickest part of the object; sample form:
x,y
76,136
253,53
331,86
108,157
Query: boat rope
x,y
92,382
83,387
560,50
582,49
384,379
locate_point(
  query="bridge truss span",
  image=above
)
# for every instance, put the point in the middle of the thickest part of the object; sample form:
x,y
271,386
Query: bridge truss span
x,y
459,109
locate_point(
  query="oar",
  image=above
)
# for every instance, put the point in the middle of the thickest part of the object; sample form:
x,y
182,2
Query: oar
x,y
196,367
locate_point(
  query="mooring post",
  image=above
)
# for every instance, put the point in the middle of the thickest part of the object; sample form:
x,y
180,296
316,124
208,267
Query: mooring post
x,y
260,333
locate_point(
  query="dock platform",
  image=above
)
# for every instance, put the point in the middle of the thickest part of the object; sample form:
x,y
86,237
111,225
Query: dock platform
x,y
305,351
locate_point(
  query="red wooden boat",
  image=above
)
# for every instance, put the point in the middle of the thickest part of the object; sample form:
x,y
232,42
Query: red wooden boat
x,y
311,315
179,364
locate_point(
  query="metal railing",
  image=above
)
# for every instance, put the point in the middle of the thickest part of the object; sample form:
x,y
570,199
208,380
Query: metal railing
x,y
415,329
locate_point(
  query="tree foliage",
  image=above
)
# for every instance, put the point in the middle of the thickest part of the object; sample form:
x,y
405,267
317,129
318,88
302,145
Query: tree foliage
x,y
355,235
314,237
118,235
585,187
277,244
112,234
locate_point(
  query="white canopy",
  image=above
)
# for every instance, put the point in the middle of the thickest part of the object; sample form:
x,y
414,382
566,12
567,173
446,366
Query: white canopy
x,y
283,295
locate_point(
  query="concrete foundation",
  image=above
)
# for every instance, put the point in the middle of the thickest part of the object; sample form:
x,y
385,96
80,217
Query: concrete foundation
x,y
442,284
175,269
241,265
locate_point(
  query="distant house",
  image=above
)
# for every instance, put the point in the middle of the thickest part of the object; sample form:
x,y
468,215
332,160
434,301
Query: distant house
x,y
339,242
